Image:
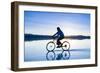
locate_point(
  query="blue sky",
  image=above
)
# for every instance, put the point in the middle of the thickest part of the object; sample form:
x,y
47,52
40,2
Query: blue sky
x,y
46,23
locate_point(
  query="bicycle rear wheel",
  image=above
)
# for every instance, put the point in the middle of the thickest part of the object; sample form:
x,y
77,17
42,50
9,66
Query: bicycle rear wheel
x,y
50,46
65,45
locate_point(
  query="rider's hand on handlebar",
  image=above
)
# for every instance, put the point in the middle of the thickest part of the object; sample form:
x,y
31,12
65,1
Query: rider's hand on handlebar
x,y
53,37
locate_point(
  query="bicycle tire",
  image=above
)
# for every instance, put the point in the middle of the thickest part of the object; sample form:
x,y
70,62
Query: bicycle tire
x,y
68,45
51,42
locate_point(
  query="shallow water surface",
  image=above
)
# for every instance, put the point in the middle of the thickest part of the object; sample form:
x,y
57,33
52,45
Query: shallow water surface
x,y
36,51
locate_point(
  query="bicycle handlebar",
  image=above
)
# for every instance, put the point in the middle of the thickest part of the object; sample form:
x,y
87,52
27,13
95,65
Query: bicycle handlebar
x,y
54,38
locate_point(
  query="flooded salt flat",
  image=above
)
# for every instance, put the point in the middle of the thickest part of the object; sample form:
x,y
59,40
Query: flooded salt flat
x,y
36,51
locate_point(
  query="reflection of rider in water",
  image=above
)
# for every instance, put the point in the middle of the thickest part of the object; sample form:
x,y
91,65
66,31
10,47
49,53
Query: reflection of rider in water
x,y
60,36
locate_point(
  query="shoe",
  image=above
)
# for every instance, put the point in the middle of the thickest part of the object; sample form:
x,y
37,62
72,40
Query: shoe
x,y
58,46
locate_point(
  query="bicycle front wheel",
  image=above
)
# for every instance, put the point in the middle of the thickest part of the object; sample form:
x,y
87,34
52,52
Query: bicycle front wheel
x,y
50,46
65,45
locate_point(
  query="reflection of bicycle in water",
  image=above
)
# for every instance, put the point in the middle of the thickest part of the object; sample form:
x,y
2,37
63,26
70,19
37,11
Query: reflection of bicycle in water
x,y
52,45
63,55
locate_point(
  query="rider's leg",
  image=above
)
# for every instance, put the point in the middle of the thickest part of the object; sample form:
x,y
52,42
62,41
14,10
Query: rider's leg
x,y
59,44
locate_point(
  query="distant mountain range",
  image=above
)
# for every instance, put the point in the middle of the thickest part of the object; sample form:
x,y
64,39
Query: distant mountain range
x,y
32,37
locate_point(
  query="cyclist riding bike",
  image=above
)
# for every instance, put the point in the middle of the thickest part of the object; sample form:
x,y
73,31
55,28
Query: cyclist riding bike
x,y
60,35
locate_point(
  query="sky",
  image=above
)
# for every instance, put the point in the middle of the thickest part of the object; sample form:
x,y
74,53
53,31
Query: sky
x,y
46,23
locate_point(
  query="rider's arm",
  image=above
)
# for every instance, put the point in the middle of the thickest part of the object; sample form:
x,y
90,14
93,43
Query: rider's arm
x,y
55,34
